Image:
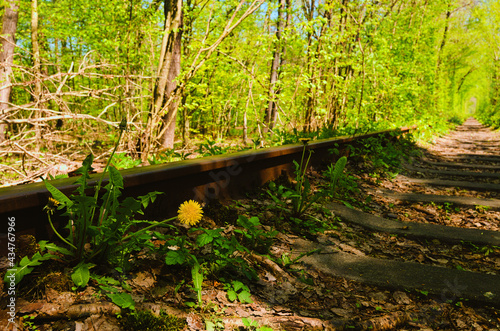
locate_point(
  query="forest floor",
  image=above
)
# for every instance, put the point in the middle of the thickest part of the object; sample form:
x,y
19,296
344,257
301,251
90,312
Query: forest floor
x,y
296,293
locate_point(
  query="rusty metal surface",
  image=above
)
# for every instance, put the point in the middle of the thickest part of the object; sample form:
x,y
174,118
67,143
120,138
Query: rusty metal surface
x,y
217,177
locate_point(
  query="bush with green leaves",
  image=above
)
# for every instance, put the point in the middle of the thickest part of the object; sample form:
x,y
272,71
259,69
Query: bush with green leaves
x,y
255,237
212,249
294,201
383,155
100,229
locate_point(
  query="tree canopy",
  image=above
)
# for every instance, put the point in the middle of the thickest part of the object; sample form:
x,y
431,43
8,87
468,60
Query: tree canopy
x,y
247,68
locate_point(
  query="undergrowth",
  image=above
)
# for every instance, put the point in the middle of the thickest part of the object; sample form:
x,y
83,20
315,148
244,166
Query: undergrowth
x,y
147,321
103,229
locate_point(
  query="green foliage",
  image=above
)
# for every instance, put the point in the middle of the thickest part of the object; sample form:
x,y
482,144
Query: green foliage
x,y
387,66
300,194
115,291
294,201
347,190
210,148
236,290
486,250
482,209
256,238
105,229
81,274
254,325
334,173
197,275
212,249
383,155
168,156
26,266
123,161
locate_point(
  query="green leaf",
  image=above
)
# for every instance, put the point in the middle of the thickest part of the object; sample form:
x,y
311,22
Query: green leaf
x,y
197,275
249,323
254,221
84,171
231,295
339,168
53,247
115,177
209,326
58,195
81,274
25,267
175,257
237,285
244,297
348,204
208,236
204,239
123,300
148,198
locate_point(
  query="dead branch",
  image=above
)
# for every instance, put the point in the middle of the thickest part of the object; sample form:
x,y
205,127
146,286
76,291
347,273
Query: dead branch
x,y
28,153
59,311
14,169
57,117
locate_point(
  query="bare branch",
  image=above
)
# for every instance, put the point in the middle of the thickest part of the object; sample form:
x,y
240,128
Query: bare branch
x,y
28,153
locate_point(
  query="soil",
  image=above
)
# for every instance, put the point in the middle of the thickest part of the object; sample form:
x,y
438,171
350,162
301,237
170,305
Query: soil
x,y
290,295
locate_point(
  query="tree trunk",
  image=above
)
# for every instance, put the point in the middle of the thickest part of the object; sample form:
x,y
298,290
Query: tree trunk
x,y
272,108
443,41
37,93
168,70
7,39
245,118
440,52
185,120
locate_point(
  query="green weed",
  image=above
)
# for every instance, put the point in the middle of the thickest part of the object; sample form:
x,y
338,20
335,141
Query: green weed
x,y
210,148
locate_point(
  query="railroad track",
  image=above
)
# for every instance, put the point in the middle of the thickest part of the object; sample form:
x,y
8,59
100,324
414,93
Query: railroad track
x,y
437,224
375,267
217,177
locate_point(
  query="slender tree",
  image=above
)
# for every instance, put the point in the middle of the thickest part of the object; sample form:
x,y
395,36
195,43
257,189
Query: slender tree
x,y
37,93
8,43
272,108
168,70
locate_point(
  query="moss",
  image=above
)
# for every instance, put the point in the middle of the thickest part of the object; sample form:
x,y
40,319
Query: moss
x,y
35,284
146,320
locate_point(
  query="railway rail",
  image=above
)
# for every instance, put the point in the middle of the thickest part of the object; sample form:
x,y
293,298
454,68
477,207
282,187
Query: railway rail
x,y
217,177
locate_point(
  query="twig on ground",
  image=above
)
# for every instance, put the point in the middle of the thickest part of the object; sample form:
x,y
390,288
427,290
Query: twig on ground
x,y
33,156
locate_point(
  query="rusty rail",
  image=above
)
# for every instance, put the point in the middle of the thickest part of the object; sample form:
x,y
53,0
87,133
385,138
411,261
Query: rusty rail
x,y
216,177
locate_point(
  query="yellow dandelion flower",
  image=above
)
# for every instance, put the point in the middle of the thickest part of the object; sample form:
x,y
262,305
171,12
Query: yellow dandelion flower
x,y
190,212
51,205
304,140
